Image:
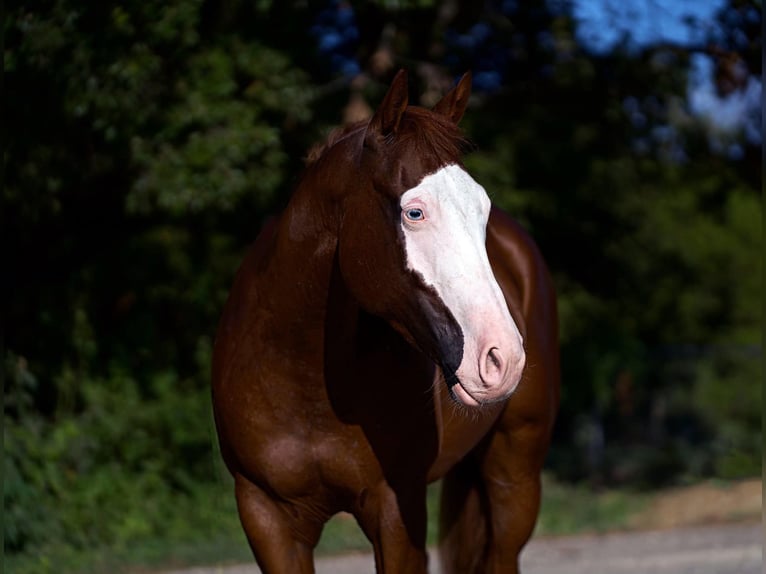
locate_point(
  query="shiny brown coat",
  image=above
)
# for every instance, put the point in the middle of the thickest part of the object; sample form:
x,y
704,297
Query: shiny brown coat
x,y
327,388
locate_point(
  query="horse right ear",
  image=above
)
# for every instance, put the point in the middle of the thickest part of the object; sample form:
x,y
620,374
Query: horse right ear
x,y
385,121
453,105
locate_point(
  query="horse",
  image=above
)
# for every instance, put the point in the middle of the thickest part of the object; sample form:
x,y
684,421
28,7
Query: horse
x,y
389,329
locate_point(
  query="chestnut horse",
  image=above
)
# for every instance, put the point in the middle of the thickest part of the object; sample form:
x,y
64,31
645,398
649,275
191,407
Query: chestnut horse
x,y
390,329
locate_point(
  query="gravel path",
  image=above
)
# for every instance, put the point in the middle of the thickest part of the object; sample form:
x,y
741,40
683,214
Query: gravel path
x,y
718,549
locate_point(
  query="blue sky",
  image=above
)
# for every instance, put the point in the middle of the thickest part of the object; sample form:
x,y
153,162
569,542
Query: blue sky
x,y
602,23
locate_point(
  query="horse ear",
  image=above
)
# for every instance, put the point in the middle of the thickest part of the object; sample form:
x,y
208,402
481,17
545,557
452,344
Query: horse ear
x,y
453,104
386,119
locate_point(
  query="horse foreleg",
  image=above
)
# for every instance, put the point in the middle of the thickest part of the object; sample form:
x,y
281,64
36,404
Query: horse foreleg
x,y
463,520
511,479
281,541
395,523
490,502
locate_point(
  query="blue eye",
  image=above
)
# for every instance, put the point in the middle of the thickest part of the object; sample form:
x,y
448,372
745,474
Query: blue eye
x,y
414,214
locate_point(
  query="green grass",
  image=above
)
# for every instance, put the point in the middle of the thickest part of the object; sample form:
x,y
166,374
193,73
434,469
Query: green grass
x,y
141,557
575,509
199,529
214,535
342,533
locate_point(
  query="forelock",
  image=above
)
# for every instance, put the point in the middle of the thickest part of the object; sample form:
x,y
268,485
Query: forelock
x,y
421,134
425,134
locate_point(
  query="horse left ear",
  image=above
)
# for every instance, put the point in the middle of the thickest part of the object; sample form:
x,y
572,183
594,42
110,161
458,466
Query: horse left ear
x,y
386,119
453,105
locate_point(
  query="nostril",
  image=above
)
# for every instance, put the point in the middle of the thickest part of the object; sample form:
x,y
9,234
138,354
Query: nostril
x,y
493,366
494,358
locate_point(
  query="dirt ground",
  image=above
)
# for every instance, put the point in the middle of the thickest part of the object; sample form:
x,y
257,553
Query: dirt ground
x,y
709,528
701,504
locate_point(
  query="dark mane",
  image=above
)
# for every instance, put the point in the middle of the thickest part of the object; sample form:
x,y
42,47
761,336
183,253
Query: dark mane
x,y
318,149
421,132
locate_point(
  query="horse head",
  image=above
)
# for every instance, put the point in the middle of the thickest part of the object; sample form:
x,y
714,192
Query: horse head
x,y
411,245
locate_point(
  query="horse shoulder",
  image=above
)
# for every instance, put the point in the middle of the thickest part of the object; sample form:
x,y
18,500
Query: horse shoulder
x,y
528,287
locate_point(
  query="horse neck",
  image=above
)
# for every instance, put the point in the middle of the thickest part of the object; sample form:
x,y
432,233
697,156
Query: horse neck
x,y
299,271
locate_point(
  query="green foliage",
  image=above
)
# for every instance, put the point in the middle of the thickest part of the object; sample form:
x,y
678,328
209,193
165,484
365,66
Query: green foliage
x,y
221,141
124,470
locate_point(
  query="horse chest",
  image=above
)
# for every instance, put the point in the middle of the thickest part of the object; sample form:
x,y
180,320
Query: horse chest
x,y
329,469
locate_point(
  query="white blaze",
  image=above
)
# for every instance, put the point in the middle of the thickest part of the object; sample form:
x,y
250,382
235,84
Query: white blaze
x,y
447,247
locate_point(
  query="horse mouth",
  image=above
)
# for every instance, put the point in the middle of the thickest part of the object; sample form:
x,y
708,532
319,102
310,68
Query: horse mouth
x,y
459,394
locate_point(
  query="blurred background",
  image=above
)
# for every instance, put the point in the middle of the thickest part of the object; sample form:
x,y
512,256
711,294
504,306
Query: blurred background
x,y
147,141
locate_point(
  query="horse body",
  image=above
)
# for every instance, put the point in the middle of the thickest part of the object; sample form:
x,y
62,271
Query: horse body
x,y
342,381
